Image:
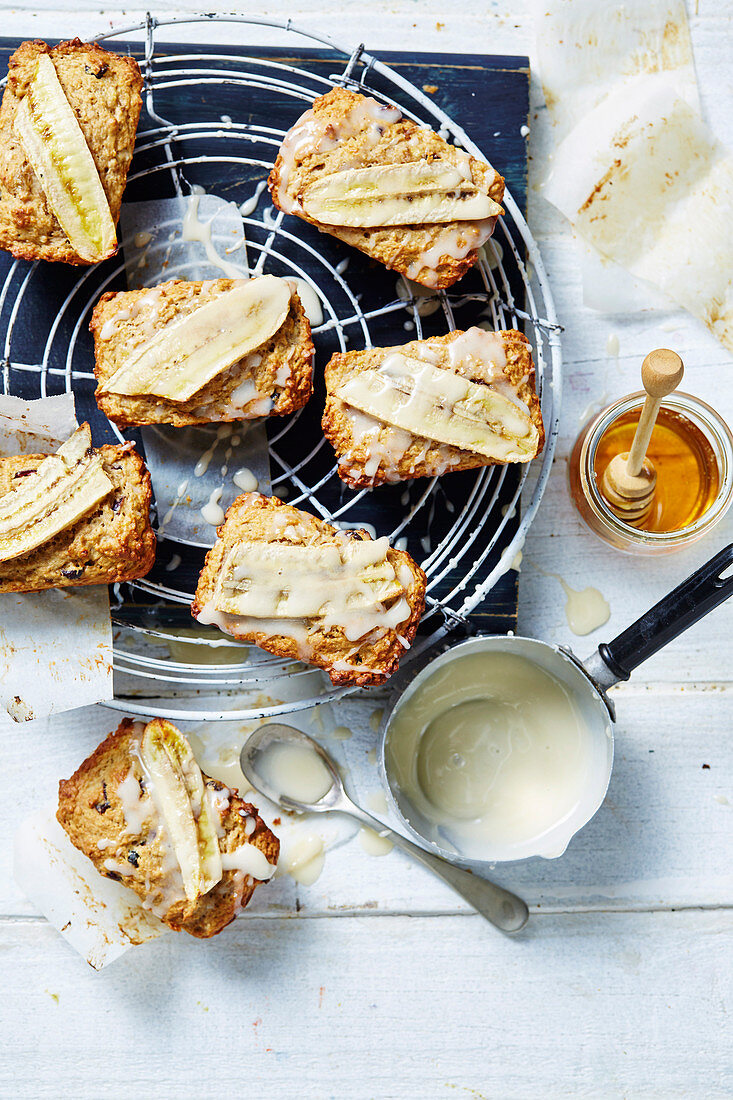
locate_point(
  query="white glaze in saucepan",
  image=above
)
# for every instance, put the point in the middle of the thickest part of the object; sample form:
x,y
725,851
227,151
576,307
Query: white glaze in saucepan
x,y
501,748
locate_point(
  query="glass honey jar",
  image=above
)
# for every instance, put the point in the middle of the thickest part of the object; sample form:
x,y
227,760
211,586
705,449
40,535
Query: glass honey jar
x,y
692,451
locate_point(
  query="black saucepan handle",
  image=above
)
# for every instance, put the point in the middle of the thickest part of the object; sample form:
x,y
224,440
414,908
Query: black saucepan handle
x,y
688,602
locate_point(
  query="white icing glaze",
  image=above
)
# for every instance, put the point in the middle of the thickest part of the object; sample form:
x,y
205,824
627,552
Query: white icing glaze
x,y
219,800
309,299
203,463
245,480
145,307
195,230
333,581
212,511
116,868
247,399
210,334
387,444
137,808
250,860
303,858
302,591
235,625
250,205
294,770
312,134
453,243
441,405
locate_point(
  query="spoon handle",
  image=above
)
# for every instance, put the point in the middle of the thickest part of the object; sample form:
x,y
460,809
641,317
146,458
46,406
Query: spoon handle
x,y
500,907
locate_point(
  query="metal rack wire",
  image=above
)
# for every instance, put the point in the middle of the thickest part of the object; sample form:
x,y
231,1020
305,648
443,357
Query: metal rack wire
x,y
476,546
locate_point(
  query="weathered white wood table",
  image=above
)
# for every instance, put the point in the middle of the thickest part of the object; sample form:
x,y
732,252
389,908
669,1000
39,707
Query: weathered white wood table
x,y
375,982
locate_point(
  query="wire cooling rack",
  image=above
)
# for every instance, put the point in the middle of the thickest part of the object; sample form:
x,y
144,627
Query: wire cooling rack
x,y
461,528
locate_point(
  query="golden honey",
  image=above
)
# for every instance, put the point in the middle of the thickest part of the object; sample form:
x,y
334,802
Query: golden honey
x,y
687,469
692,451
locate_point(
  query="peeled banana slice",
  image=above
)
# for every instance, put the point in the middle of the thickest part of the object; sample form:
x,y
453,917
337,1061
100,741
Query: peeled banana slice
x,y
60,157
446,407
280,581
178,791
187,354
64,487
397,194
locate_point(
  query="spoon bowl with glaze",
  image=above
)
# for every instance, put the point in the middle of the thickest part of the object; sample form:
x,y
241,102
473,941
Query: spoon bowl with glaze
x,y
277,756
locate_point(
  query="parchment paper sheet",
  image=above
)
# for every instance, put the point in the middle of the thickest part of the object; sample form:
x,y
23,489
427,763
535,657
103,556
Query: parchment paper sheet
x,y
647,184
55,646
155,251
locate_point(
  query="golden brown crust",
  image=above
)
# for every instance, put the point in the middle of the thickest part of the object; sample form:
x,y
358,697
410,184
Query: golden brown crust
x,y
400,247
90,811
368,663
284,374
418,460
114,543
103,90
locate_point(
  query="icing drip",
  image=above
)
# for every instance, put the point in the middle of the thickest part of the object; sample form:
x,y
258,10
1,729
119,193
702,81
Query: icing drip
x,y
452,243
383,442
250,860
312,134
295,591
147,306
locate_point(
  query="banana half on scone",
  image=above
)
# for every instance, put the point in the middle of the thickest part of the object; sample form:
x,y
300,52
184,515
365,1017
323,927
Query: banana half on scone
x,y
200,352
144,813
79,516
297,587
67,130
398,192
429,407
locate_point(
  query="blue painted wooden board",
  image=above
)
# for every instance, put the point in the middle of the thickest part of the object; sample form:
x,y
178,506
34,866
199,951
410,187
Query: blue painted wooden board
x,y
487,96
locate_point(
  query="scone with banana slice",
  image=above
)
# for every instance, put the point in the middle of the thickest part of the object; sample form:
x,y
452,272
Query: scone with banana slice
x,y
79,516
144,813
202,352
67,130
398,192
454,402
297,587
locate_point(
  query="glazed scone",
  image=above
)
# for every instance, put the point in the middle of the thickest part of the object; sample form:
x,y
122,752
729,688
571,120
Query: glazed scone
x,y
421,410
95,101
83,518
133,351
144,813
422,207
297,587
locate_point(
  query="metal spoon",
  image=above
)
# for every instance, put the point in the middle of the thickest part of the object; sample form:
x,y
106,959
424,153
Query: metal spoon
x,y
504,910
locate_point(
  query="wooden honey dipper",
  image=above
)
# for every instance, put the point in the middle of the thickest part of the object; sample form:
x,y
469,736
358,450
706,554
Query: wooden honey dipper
x,y
629,480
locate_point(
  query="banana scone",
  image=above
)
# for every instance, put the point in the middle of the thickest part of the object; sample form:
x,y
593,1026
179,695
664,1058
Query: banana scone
x,y
79,516
67,129
429,407
144,813
196,353
398,192
297,587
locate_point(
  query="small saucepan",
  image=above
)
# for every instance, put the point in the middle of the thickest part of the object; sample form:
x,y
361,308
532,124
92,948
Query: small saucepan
x,y
539,774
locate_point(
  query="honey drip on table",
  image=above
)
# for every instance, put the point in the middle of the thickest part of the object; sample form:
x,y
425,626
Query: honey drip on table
x,y
687,470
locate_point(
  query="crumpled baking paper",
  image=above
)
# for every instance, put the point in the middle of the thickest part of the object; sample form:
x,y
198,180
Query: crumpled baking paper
x,y
55,646
647,184
585,52
587,49
189,238
99,917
